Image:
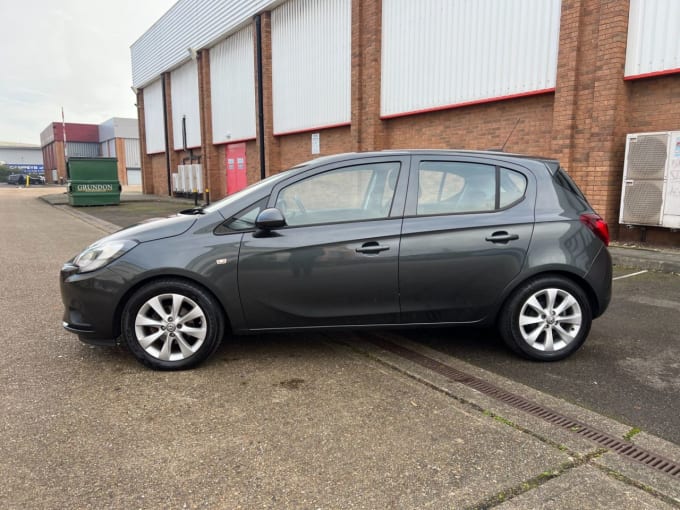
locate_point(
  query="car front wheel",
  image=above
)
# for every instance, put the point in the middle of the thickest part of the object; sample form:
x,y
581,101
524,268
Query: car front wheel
x,y
546,319
172,325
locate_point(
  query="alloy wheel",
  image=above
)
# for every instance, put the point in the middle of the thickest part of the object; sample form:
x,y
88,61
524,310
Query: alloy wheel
x,y
550,320
170,327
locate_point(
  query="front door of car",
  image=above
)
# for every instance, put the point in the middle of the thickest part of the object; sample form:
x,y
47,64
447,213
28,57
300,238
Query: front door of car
x,y
336,261
467,228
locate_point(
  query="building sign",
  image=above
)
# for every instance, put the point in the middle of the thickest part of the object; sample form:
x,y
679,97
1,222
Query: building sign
x,y
316,143
94,188
30,169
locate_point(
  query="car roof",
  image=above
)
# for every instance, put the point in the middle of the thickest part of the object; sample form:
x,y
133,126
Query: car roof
x,y
551,164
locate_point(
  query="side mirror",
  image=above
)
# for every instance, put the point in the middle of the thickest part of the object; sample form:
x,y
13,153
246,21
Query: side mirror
x,y
270,219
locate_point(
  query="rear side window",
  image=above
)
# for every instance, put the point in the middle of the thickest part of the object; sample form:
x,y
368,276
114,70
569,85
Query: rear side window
x,y
446,187
512,186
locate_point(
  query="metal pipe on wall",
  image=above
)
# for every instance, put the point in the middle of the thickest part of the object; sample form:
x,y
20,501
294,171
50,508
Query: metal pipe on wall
x,y
260,94
166,135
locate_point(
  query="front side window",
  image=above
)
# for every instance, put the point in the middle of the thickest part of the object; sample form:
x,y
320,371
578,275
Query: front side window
x,y
355,193
446,187
242,220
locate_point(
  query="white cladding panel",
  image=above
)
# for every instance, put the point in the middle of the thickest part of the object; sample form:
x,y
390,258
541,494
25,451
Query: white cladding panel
x,y
134,176
153,118
311,64
653,40
232,84
108,149
184,90
440,53
107,130
118,127
188,24
132,153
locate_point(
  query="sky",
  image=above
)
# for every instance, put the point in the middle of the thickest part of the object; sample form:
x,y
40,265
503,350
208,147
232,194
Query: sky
x,y
70,53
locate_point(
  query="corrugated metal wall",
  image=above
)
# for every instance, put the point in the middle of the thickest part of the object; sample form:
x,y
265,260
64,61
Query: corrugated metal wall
x,y
165,44
132,153
82,149
153,118
107,149
49,159
653,40
232,84
184,90
441,53
311,64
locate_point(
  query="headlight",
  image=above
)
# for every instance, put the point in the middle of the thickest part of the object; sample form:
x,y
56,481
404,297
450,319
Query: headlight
x,y
98,255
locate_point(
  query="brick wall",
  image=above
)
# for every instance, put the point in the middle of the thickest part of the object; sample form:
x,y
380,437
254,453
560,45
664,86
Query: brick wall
x,y
583,123
122,162
297,148
525,123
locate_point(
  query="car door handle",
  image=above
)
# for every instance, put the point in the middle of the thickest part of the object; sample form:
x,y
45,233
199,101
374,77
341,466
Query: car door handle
x,y
372,247
502,237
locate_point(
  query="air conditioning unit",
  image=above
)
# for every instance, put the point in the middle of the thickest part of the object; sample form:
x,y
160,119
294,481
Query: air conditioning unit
x,y
197,171
651,180
182,180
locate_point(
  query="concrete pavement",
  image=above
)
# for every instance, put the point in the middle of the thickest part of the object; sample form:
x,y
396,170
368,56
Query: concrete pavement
x,y
277,421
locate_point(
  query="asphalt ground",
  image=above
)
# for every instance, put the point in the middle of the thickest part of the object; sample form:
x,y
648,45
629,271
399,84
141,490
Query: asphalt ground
x,y
628,369
275,421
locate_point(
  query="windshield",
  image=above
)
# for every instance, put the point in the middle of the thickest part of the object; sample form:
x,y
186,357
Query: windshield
x,y
253,187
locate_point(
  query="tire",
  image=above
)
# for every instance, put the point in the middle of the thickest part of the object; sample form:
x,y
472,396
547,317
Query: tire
x,y
172,324
546,319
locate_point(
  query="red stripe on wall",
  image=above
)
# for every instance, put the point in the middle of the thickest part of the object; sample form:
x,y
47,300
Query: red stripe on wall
x,y
651,75
469,103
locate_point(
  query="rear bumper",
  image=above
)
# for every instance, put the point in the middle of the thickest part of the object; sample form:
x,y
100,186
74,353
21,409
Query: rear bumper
x,y
599,277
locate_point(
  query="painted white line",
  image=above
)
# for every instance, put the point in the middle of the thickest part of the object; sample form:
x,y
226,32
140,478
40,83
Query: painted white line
x,y
629,275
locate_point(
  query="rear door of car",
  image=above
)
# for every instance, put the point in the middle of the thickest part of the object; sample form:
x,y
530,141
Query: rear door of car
x,y
336,261
467,228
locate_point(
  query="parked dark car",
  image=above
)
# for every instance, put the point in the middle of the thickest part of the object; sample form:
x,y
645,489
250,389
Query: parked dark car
x,y
20,179
386,239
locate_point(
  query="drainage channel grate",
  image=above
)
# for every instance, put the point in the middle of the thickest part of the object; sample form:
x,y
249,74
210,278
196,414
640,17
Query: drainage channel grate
x,y
608,441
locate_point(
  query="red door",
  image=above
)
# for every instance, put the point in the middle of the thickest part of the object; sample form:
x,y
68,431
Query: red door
x,y
236,167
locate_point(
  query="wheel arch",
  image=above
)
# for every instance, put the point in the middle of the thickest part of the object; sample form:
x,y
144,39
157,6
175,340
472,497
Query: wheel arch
x,y
570,275
118,315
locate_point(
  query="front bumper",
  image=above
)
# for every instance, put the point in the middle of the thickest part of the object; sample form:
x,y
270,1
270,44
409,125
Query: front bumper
x,y
90,304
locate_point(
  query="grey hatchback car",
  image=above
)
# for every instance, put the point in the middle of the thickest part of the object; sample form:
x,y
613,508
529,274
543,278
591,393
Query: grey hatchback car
x,y
382,239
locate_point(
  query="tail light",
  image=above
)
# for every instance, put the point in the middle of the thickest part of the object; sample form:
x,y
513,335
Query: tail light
x,y
597,225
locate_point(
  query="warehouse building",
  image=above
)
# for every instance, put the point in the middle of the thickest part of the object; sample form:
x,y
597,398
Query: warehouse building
x,y
230,92
23,157
114,138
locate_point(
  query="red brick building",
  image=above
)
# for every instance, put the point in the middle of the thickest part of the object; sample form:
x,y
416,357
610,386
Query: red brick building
x,y
279,83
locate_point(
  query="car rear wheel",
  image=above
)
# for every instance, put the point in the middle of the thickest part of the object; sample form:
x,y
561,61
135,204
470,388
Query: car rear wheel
x,y
172,325
546,319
